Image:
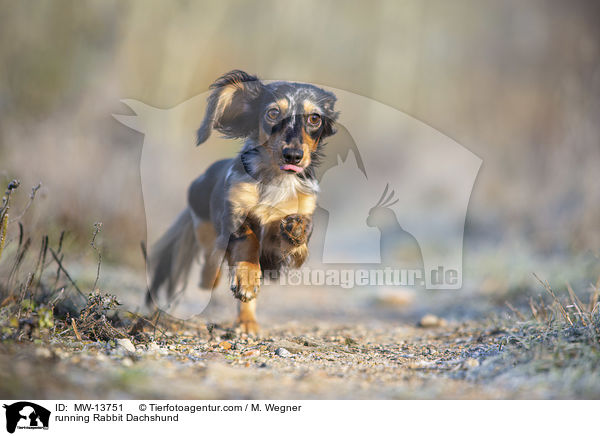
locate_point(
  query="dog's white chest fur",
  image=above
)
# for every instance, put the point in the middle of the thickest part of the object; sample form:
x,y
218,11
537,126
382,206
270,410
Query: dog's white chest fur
x,y
288,188
287,197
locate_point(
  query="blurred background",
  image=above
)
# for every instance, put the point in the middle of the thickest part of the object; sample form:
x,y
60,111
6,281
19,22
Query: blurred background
x,y
517,83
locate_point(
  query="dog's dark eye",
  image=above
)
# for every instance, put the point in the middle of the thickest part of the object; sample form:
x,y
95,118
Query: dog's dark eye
x,y
314,120
273,114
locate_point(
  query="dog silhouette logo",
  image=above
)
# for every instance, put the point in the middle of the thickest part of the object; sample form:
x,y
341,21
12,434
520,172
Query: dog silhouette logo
x,y
26,415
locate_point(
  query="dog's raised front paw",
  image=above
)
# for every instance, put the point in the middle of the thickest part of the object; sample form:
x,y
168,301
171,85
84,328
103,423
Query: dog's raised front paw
x,y
245,280
296,228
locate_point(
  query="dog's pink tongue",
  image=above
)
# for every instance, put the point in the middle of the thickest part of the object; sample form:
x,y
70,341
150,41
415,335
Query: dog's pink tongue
x,y
291,167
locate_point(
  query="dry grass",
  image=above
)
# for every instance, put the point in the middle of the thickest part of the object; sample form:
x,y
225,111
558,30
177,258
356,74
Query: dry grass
x,y
558,318
554,350
39,297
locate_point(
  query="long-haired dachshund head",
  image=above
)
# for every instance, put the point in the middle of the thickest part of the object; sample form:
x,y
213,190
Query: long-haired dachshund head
x,y
284,123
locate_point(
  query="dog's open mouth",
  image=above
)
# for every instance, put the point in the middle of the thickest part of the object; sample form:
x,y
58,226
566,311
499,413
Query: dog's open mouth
x,y
291,168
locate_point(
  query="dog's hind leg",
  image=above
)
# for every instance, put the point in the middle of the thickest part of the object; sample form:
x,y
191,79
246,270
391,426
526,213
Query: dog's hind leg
x,y
211,270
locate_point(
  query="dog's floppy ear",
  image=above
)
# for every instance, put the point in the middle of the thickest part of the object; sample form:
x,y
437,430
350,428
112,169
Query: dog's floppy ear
x,y
329,125
232,107
330,116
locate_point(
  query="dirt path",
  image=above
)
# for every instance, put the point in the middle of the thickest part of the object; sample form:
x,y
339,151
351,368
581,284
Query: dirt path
x,y
315,343
290,361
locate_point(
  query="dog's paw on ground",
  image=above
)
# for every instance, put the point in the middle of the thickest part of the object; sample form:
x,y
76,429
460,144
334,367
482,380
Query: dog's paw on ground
x,y
247,325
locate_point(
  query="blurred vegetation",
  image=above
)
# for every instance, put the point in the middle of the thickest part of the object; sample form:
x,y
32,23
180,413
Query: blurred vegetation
x,y
39,299
516,83
555,343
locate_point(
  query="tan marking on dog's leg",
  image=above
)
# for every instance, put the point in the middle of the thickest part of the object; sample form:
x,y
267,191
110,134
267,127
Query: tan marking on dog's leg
x,y
243,256
246,320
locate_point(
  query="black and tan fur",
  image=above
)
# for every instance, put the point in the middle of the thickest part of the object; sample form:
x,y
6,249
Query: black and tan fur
x,y
253,210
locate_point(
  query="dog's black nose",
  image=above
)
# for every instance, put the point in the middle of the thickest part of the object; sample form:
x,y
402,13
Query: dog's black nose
x,y
293,155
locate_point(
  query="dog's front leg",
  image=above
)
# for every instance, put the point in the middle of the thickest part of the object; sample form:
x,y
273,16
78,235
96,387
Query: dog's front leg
x,y
246,320
243,257
296,229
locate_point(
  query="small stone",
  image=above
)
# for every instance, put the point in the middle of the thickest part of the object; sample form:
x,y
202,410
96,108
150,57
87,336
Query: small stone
x,y
225,345
44,353
394,297
126,345
421,364
471,363
61,354
430,320
290,346
127,362
251,353
152,346
282,352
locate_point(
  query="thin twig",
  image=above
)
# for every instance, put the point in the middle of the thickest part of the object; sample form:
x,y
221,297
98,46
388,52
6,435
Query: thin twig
x,y
34,191
516,312
97,227
41,260
158,313
66,273
558,304
153,324
14,184
577,303
534,309
60,241
74,325
18,260
3,230
58,270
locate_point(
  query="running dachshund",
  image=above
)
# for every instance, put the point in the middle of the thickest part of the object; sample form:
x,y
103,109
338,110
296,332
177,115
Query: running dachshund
x,y
254,210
